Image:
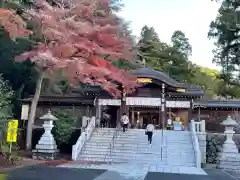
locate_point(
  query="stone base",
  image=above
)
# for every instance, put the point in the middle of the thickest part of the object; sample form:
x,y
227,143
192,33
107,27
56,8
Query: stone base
x,y
229,162
45,154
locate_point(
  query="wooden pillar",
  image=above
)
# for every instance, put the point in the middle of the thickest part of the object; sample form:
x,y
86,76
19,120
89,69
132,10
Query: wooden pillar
x,y
190,109
133,120
199,113
98,113
123,102
127,110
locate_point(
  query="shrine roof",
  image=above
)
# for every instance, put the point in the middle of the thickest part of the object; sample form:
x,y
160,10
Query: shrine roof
x,y
217,103
62,99
161,76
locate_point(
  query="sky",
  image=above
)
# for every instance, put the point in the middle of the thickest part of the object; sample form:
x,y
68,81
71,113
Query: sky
x,y
190,16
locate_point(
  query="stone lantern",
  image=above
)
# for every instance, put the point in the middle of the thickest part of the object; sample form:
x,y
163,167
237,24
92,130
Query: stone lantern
x,y
229,156
46,149
229,125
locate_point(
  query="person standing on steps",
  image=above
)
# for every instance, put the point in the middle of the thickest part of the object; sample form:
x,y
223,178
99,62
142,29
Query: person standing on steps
x,y
125,121
149,132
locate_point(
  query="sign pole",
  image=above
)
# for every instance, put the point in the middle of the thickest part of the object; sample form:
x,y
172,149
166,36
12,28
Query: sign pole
x,y
10,148
162,116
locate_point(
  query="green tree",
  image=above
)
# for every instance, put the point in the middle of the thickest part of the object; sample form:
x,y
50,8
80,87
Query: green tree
x,y
225,32
64,125
172,59
6,95
149,34
181,43
150,48
207,79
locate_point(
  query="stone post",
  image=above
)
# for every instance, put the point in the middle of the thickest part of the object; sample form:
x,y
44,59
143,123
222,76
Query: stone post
x,y
46,149
229,158
202,140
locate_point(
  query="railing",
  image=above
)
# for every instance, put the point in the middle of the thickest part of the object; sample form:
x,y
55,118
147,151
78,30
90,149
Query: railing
x,y
76,149
196,145
199,126
111,146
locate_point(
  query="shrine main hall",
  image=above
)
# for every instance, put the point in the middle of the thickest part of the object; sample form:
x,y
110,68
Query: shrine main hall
x,y
159,98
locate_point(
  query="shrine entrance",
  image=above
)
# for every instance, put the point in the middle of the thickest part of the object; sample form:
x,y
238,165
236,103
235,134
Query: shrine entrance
x,y
141,116
110,115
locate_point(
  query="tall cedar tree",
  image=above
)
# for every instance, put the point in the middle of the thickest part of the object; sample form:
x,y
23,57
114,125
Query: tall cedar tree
x,y
77,35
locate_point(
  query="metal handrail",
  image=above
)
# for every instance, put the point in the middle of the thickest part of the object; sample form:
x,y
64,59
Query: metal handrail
x,y
112,143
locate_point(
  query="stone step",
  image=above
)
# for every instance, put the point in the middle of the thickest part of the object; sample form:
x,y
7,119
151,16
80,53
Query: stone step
x,y
146,145
132,148
135,140
132,145
173,157
122,159
125,141
91,145
101,134
147,149
94,141
105,129
168,136
168,132
119,153
140,161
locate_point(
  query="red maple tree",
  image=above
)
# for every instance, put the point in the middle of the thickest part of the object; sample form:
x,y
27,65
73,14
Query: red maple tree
x,y
77,34
13,24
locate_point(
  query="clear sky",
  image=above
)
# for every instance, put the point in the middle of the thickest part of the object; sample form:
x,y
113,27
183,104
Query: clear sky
x,y
190,16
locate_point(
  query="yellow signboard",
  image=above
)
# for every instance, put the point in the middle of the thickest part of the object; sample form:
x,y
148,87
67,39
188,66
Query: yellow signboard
x,y
3,176
180,90
12,131
144,80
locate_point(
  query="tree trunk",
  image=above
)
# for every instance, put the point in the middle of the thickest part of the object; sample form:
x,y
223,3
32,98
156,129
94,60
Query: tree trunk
x,y
33,109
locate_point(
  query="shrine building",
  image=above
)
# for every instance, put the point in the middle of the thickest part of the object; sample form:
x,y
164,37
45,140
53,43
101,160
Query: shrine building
x,y
158,98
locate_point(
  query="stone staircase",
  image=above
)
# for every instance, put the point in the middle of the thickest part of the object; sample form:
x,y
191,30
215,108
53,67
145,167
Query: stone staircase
x,y
174,148
96,148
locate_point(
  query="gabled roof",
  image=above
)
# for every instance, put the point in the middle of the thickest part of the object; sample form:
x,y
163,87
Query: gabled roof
x,y
62,99
158,75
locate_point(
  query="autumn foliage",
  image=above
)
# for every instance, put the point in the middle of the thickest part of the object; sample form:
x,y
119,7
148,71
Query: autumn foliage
x,y
13,24
77,34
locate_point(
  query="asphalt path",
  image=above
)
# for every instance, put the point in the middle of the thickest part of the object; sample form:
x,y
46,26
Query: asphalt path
x,y
43,172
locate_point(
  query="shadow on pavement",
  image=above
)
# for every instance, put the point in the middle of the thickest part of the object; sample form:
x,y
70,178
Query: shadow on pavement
x,y
213,174
41,172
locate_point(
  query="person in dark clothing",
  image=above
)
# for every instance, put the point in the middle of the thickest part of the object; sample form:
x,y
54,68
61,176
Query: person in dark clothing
x,y
103,123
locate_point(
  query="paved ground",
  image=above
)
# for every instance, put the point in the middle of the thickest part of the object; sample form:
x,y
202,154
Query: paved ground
x,y
137,169
43,172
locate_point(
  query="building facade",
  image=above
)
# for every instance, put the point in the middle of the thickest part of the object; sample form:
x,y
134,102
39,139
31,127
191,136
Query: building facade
x,y
159,98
